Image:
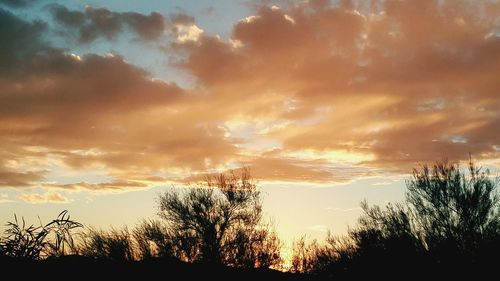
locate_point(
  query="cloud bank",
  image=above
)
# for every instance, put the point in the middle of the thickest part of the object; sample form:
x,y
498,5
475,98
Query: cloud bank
x,y
311,92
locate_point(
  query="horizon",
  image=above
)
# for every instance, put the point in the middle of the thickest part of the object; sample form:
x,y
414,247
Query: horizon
x,y
105,104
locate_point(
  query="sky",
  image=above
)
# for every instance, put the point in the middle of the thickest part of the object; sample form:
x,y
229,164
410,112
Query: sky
x,y
106,104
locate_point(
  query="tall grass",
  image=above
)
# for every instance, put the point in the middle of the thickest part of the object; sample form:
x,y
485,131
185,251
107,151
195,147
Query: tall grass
x,y
21,240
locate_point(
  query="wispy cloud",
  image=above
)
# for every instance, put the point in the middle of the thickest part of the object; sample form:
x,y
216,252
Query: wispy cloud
x,y
4,198
336,209
318,228
47,197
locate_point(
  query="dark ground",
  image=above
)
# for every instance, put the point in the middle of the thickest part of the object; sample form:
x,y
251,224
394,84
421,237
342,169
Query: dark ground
x,y
78,267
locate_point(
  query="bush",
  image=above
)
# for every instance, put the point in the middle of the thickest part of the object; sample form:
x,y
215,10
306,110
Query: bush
x,y
220,223
117,245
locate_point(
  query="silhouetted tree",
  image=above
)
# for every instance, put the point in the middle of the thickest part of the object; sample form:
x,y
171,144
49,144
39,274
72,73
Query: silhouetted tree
x,y
454,211
220,223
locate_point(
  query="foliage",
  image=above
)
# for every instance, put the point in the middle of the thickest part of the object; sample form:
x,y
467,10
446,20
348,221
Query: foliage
x,y
62,242
116,245
452,210
34,242
220,223
153,239
314,257
450,217
304,256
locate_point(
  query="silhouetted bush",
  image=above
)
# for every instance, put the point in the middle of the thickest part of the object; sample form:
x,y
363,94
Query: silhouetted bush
x,y
313,257
154,239
220,223
115,245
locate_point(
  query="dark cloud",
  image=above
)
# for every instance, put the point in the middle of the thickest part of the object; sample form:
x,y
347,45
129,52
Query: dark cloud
x,y
147,27
66,17
20,41
9,178
182,19
99,22
93,111
16,3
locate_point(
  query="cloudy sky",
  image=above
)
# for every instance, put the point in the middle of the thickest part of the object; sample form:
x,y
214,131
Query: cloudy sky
x,y
103,104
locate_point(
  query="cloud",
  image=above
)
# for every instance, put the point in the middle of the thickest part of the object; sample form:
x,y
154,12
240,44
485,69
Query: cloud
x,y
94,112
104,186
20,40
4,198
318,227
47,197
398,81
19,179
336,209
99,22
15,3
308,92
182,19
94,23
186,33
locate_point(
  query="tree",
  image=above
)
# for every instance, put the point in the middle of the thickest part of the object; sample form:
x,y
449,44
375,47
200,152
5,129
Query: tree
x,y
220,222
453,210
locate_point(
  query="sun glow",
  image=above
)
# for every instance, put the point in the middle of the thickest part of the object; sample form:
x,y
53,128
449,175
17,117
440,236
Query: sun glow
x,y
333,156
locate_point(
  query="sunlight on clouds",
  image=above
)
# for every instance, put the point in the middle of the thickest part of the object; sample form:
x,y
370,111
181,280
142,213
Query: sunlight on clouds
x,y
308,92
289,18
250,19
186,33
47,197
4,198
333,156
235,43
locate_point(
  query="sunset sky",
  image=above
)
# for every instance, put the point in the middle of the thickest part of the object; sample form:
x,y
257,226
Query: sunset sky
x,y
104,104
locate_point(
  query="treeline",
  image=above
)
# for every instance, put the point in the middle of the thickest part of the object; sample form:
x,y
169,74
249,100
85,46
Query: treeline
x,y
449,225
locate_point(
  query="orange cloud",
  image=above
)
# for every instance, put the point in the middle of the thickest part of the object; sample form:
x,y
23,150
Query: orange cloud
x,y
48,197
407,82
311,92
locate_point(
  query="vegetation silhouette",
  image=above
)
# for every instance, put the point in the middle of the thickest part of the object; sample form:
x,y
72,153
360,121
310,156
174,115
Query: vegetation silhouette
x,y
448,226
35,242
220,223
